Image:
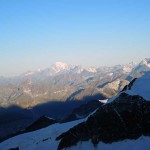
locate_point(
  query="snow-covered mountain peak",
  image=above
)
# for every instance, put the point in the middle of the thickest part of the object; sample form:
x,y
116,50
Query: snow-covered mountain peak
x,y
39,70
59,66
143,66
141,86
128,67
146,62
76,69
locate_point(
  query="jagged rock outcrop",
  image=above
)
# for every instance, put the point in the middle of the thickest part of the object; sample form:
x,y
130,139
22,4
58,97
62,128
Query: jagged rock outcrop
x,y
128,87
83,111
42,122
127,117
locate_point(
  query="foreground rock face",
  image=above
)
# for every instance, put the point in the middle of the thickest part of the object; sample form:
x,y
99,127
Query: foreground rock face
x,y
127,117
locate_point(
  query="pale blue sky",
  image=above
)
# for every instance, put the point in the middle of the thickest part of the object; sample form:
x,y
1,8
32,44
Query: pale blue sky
x,y
36,33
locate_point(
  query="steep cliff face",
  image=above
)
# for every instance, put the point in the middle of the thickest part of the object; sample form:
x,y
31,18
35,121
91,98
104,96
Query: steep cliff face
x,y
127,117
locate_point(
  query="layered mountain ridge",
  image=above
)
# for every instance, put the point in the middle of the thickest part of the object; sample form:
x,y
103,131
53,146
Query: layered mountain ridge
x,y
125,117
61,81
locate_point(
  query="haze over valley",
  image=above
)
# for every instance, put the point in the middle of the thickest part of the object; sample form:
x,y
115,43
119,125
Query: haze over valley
x,y
74,75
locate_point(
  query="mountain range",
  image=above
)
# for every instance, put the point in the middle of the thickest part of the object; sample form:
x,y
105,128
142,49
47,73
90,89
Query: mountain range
x,y
121,122
62,82
67,88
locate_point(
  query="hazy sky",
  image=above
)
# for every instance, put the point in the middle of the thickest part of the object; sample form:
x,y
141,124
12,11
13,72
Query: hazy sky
x,y
36,33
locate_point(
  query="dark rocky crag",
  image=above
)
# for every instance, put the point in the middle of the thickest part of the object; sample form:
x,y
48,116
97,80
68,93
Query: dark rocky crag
x,y
128,87
42,122
83,111
127,117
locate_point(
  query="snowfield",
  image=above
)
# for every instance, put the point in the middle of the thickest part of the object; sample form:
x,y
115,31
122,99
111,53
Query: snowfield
x,y
44,139
142,86
143,143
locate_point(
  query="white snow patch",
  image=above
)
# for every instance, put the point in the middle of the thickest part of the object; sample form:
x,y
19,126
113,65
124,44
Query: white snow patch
x,y
27,91
60,91
142,86
91,69
146,62
110,74
29,73
103,101
140,144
